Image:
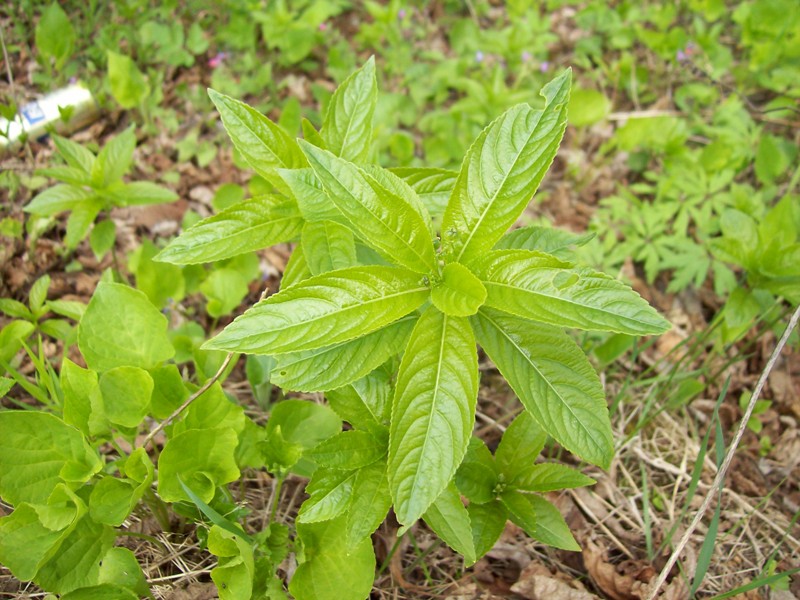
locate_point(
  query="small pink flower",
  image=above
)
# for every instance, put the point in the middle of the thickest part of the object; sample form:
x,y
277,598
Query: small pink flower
x,y
401,14
544,67
323,26
526,56
217,59
479,56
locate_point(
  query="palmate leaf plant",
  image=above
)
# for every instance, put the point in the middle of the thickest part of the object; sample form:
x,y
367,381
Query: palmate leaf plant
x,y
372,279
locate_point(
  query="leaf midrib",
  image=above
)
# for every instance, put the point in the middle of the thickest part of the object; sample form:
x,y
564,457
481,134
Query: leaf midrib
x,y
545,379
255,134
247,230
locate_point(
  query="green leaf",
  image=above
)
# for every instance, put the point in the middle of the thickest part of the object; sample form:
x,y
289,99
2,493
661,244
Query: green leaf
x,y
548,526
303,422
58,198
310,134
549,477
211,410
331,367
550,240
76,155
32,534
264,145
108,340
347,128
433,411
432,186
203,458
488,522
128,86
449,519
553,379
216,518
331,570
77,563
387,222
67,308
38,294
587,107
520,445
114,160
250,225
126,395
458,293
330,491
541,288
169,392
324,310
120,568
12,336
347,450
369,504
224,290
80,221
311,198
296,269
38,451
106,591
502,170
476,477
365,403
55,36
102,238
66,174
140,193
112,498
328,246
235,568
15,309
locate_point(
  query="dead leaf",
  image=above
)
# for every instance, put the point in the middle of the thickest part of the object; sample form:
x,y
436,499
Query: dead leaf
x,y
537,583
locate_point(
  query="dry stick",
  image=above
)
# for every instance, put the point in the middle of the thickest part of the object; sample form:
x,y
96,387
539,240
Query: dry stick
x,y
188,401
720,478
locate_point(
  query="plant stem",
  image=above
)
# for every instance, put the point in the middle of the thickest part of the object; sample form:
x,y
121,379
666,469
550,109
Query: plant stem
x,y
275,498
188,401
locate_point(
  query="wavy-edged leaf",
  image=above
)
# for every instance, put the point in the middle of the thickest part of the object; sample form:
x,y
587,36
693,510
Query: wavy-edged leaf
x,y
332,367
328,246
244,227
502,170
264,145
551,240
433,411
553,379
433,186
332,570
347,128
370,503
324,310
549,477
330,491
488,521
449,519
387,222
38,451
539,287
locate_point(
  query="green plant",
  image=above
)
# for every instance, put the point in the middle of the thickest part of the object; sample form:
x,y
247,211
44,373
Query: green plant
x,y
93,185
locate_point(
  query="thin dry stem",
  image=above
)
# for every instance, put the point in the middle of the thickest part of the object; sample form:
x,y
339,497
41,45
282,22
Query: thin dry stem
x,y
720,477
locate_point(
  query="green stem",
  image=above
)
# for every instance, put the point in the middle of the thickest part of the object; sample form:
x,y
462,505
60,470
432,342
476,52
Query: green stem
x,y
276,496
389,556
159,509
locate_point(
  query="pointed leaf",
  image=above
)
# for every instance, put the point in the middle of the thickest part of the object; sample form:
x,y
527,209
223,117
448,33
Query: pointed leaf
x,y
114,160
331,367
433,411
449,519
244,227
521,444
502,170
323,310
77,156
385,221
433,186
458,292
365,403
347,128
488,522
312,200
541,288
549,477
264,145
330,491
328,246
347,450
476,478
296,269
58,198
553,379
550,240
370,503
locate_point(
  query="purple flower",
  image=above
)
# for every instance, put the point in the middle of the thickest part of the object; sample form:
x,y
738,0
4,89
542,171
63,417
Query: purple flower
x,y
544,67
323,26
479,56
526,56
681,56
401,14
